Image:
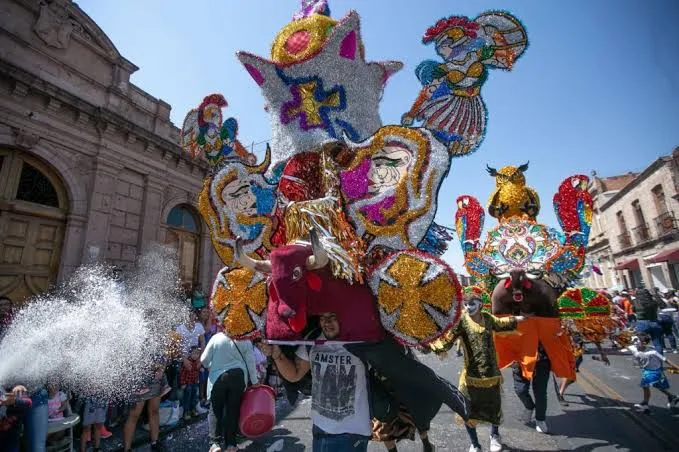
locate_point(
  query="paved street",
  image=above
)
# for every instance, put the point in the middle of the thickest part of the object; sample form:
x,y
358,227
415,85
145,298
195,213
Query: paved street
x,y
599,418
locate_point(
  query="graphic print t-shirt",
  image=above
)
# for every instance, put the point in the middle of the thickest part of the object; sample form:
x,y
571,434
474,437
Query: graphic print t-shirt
x,y
339,393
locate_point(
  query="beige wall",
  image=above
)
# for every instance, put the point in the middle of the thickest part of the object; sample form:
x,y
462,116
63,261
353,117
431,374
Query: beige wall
x,y
69,102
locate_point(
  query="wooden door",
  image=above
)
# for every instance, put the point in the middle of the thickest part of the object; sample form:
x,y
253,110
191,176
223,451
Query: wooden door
x,y
32,223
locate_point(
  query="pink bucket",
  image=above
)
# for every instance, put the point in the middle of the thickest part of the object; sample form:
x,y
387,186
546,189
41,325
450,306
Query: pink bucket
x,y
257,411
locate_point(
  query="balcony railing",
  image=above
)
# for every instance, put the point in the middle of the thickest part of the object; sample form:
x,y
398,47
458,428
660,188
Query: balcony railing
x,y
625,240
665,223
642,233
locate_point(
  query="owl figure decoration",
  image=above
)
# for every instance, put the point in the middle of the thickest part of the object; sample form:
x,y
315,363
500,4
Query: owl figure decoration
x,y
450,103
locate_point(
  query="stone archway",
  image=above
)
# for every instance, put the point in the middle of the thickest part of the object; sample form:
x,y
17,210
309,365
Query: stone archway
x,y
34,204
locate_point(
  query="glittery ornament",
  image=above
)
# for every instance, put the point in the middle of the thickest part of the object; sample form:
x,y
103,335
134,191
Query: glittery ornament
x,y
512,198
204,132
238,201
239,300
390,186
573,206
321,94
590,311
450,103
418,296
469,220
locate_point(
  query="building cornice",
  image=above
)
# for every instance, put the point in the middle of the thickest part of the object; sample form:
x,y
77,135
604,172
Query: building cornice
x,y
635,182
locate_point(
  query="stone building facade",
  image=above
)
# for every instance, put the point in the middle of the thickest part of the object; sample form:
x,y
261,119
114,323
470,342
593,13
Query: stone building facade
x,y
635,233
90,164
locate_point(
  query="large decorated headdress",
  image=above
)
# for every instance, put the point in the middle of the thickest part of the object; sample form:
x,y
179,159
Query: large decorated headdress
x,y
317,84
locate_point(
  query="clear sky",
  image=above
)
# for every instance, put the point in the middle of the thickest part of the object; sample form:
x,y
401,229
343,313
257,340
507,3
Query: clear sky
x,y
597,88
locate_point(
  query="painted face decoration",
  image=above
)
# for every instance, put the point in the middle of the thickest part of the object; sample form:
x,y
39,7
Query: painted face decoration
x,y
472,305
238,201
390,185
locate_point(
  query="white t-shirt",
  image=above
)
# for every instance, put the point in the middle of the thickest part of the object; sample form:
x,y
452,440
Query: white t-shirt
x,y
339,394
649,359
190,338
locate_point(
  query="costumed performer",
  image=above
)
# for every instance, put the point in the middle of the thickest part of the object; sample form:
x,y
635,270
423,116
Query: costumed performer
x,y
480,379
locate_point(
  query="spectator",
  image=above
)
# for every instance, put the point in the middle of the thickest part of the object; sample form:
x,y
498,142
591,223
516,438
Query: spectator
x,y
210,327
150,397
13,406
191,334
198,298
230,363
93,419
57,402
37,421
652,374
666,320
189,378
646,311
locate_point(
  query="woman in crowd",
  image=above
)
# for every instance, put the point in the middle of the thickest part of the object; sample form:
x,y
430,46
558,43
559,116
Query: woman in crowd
x,y
232,366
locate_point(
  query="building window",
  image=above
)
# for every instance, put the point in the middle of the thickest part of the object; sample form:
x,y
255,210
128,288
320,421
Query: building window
x,y
35,187
624,237
659,200
641,230
183,235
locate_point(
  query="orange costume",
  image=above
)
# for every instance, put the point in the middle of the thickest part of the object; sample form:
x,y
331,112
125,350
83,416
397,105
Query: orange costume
x,y
521,345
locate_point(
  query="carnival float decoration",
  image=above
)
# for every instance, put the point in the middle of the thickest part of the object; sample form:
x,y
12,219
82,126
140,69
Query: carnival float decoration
x,y
450,103
530,268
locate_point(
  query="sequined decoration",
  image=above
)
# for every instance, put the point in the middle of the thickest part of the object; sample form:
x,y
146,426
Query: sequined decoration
x,y
351,87
590,312
573,206
239,300
512,198
418,295
469,220
390,186
450,103
238,201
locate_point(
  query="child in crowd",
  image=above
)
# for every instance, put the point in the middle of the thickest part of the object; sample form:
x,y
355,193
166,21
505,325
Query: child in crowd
x,y
57,402
13,406
651,363
189,379
93,419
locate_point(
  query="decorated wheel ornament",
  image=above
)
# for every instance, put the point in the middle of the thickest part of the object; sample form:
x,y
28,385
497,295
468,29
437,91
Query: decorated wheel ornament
x,y
418,295
239,301
590,312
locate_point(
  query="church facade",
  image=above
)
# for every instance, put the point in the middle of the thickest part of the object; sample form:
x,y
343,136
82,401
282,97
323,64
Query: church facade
x,y
90,164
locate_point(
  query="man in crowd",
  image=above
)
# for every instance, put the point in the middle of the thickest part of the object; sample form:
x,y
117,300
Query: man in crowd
x,y
340,408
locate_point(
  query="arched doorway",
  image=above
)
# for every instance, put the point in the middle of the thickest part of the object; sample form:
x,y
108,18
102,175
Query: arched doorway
x,y
183,234
33,207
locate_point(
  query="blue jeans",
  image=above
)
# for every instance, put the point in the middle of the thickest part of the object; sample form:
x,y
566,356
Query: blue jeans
x,y
653,329
344,442
37,419
189,397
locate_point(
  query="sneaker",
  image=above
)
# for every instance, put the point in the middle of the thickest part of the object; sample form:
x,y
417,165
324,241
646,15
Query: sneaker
x,y
495,443
104,433
215,448
187,416
675,351
200,409
473,448
643,407
541,427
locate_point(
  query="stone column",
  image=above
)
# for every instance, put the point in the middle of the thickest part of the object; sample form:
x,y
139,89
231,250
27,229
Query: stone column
x,y
99,213
151,210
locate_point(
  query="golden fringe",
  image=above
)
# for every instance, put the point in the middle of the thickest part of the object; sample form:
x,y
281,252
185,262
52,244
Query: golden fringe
x,y
486,382
343,246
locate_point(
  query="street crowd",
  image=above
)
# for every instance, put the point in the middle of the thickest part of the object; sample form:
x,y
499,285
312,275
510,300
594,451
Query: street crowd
x,y
212,371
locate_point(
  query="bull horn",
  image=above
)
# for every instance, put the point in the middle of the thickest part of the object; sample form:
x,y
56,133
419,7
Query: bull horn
x,y
246,261
262,167
319,258
523,168
491,171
